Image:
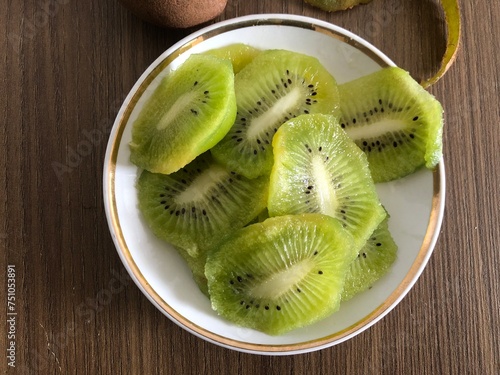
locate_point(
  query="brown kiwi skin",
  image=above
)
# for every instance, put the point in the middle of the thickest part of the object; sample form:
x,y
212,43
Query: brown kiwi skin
x,y
176,13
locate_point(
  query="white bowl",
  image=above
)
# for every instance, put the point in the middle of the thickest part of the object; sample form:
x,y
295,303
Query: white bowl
x,y
415,203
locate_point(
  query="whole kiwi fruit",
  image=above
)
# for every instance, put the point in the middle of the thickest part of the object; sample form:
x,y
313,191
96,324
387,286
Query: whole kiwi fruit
x,y
176,13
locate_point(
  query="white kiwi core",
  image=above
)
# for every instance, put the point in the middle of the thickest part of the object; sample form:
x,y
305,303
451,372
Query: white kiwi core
x,y
180,104
325,192
280,282
278,111
375,129
203,183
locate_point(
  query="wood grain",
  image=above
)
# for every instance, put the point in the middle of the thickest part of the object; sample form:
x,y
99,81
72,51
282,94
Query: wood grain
x,y
63,75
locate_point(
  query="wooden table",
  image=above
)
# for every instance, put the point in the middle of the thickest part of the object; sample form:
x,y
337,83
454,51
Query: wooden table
x,y
65,71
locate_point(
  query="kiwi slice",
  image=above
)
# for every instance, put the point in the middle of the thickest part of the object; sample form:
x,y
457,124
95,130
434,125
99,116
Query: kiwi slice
x,y
195,207
276,86
394,121
239,54
317,168
373,261
197,268
190,111
281,274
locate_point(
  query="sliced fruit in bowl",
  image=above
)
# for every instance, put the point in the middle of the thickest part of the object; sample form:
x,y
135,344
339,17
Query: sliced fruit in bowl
x,y
160,266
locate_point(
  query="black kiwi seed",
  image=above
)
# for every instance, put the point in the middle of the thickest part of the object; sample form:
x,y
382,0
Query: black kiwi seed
x,y
264,97
372,262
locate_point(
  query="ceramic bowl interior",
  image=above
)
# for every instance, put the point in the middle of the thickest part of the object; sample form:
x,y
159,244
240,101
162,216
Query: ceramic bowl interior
x,y
415,203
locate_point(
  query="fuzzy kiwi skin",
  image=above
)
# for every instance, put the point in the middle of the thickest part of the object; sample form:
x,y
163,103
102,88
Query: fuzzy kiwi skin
x,y
176,13
334,5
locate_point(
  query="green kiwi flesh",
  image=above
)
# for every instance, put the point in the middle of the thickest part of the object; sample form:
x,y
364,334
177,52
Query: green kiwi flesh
x,y
334,5
263,181
195,207
281,274
394,121
318,169
239,54
374,261
276,86
196,265
189,112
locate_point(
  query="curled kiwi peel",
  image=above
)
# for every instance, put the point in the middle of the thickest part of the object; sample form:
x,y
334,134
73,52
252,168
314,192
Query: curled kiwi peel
x,y
451,10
